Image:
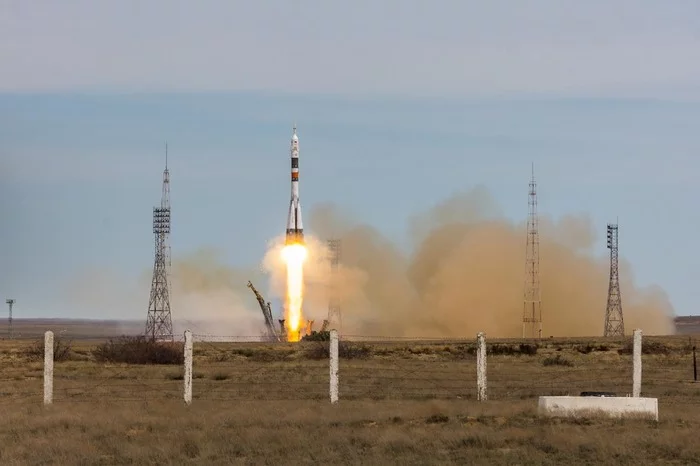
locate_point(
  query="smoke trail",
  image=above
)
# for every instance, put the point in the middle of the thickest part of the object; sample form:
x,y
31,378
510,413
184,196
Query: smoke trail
x,y
465,274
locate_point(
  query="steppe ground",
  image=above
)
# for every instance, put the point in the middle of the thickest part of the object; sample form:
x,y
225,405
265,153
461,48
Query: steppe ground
x,y
401,402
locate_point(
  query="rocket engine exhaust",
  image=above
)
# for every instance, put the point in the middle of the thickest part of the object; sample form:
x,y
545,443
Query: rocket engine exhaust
x,y
294,252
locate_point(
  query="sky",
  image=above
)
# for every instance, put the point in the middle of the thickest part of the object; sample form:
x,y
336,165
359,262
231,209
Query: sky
x,y
399,105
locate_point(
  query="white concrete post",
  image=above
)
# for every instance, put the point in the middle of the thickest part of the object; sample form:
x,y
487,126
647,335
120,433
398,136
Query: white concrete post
x,y
334,366
48,367
637,363
481,367
187,379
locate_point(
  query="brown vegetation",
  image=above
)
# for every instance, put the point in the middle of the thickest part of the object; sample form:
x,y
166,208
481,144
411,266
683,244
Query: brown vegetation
x,y
400,403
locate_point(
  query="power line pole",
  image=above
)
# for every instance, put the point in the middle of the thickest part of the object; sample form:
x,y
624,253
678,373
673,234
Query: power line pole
x,y
334,314
159,325
614,323
10,329
532,303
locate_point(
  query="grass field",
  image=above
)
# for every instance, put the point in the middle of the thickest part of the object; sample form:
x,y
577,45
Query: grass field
x,y
401,402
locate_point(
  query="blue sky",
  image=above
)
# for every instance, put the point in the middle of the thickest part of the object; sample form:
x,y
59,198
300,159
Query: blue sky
x,y
398,107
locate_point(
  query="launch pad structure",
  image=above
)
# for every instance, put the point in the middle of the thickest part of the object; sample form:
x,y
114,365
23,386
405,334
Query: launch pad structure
x,y
159,325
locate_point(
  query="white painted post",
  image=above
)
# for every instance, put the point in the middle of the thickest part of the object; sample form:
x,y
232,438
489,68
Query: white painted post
x,y
334,366
637,363
481,367
48,367
188,367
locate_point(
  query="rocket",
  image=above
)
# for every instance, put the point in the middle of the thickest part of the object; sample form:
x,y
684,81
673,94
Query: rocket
x,y
295,228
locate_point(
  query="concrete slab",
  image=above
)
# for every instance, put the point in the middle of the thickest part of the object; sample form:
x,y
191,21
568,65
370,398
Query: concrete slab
x,y
614,406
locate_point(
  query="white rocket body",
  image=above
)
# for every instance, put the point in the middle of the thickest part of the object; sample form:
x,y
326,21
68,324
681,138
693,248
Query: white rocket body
x,y
295,227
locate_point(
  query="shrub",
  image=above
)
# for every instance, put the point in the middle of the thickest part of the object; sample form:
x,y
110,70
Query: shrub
x,y
510,350
139,350
648,347
589,348
557,360
346,350
324,335
61,350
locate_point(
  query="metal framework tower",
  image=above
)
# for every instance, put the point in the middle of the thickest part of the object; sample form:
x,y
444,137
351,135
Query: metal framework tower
x,y
10,329
334,315
159,325
532,303
614,323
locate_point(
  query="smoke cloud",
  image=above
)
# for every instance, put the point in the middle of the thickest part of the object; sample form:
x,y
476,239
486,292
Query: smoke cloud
x,y
465,273
211,298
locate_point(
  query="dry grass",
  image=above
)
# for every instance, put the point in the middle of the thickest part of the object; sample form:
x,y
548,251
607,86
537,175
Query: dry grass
x,y
401,403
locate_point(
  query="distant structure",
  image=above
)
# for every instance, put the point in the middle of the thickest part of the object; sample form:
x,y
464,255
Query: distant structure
x,y
159,325
532,305
10,329
614,323
334,316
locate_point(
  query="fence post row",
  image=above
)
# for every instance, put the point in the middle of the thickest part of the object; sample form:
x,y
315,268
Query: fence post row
x,y
481,367
187,379
637,363
48,367
334,366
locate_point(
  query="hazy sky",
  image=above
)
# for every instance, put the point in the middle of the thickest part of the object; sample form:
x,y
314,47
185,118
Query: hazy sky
x,y
399,104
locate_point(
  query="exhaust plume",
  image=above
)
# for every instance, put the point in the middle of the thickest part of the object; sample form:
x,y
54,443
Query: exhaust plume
x,y
465,274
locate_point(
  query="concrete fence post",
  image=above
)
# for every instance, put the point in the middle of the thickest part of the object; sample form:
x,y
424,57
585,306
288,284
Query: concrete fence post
x,y
637,363
48,367
187,379
481,367
334,366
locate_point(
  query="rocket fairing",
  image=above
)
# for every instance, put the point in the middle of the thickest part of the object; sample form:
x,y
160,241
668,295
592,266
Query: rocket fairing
x,y
295,228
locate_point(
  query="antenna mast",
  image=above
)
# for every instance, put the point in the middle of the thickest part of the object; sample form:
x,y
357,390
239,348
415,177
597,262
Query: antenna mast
x,y
614,323
532,303
159,324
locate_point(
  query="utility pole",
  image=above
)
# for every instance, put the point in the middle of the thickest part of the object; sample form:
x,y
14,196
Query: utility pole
x,y
334,314
532,303
159,325
614,323
10,329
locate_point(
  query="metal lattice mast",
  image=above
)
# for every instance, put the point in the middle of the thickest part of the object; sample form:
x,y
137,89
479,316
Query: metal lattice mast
x,y
614,323
334,314
532,303
10,330
159,325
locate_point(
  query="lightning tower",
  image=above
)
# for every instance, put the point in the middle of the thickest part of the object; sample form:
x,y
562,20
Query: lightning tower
x,y
159,325
532,304
614,324
334,317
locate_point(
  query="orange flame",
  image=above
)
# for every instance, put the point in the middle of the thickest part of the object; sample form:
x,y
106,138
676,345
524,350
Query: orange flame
x,y
294,256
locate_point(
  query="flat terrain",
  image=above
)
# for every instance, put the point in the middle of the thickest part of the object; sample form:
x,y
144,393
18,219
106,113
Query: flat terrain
x,y
401,402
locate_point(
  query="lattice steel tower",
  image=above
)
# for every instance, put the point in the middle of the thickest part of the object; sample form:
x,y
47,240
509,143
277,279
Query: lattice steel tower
x,y
159,325
334,315
532,304
614,323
